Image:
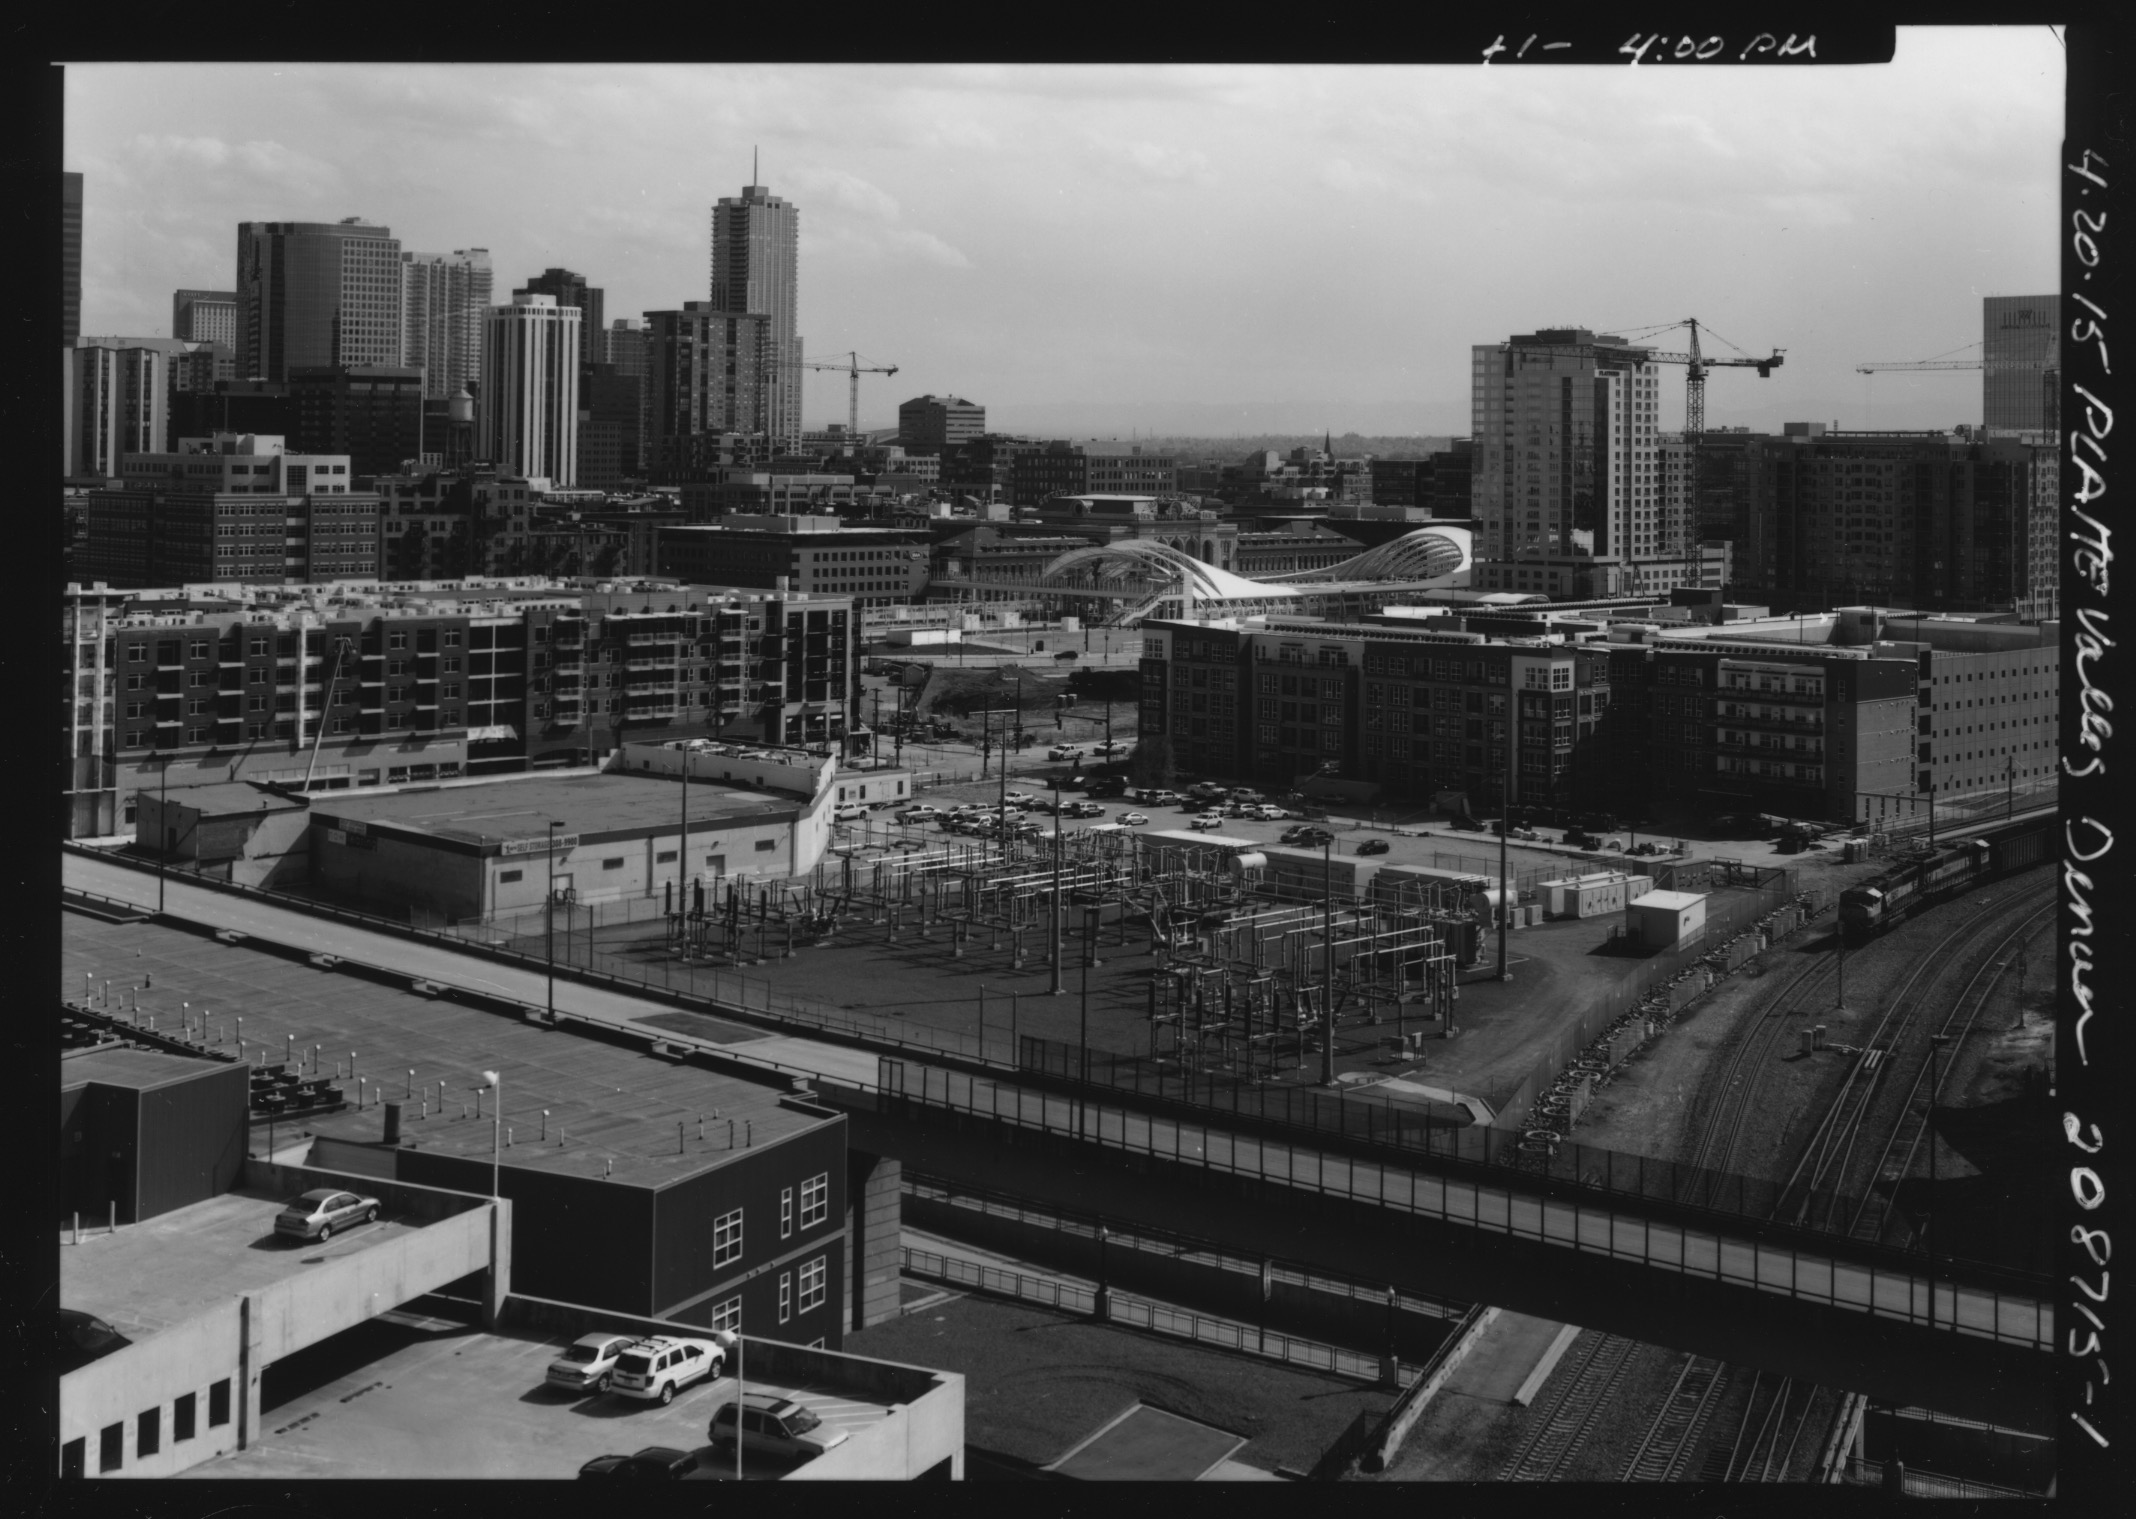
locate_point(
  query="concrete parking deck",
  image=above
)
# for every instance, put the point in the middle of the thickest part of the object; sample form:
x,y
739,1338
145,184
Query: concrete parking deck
x,y
152,1275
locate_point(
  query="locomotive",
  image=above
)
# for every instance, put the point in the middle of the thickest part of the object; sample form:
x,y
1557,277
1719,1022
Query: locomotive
x,y
1939,874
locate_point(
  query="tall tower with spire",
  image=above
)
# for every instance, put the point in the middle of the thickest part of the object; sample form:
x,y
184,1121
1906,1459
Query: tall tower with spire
x,y
756,243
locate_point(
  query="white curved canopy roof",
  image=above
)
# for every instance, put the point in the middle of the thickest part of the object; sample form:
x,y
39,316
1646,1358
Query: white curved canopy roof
x,y
1146,560
1428,553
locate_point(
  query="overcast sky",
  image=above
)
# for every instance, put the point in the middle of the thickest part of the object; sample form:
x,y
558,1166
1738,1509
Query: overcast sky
x,y
1202,249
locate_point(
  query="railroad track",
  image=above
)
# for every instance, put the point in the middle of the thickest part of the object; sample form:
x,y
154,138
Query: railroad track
x,y
1766,1435
1813,1191
1714,1142
1902,1143
1684,1415
1579,1394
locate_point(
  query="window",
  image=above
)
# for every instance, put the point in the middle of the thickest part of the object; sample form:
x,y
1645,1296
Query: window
x,y
786,1296
786,1212
765,846
72,1455
815,1200
613,864
727,1238
727,1315
812,1278
111,1447
148,1435
506,877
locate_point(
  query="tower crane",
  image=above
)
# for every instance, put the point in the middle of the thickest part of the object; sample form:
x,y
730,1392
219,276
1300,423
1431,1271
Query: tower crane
x,y
2050,371
853,369
1697,364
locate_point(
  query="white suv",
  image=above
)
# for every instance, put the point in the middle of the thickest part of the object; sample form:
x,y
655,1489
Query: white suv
x,y
658,1368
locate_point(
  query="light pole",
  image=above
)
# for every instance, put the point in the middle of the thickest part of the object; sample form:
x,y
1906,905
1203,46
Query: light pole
x,y
495,1083
1505,830
163,827
1057,988
1082,1096
549,915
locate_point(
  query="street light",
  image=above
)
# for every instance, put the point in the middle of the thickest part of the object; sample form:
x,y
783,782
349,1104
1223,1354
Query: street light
x,y
1057,988
550,915
496,1083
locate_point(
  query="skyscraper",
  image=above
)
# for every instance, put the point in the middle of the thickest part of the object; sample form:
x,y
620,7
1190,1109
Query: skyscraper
x,y
573,290
705,377
2021,354
936,424
70,257
205,316
528,423
756,243
311,293
445,301
1564,428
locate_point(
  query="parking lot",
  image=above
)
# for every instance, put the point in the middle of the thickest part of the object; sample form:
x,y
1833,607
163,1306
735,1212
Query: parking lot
x,y
410,1396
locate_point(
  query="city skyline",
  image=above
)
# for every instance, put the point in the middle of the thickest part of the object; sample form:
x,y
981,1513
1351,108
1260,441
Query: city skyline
x,y
989,233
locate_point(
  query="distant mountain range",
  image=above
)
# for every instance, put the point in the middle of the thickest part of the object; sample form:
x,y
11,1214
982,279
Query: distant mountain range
x,y
1241,420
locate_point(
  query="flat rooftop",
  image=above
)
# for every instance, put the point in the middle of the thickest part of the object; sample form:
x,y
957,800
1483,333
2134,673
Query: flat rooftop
x,y
165,1270
522,807
123,1066
412,1396
608,1106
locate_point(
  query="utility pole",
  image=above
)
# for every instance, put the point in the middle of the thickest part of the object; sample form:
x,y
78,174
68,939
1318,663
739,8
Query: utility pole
x,y
898,747
550,916
875,726
1505,880
1327,961
1082,1091
1057,988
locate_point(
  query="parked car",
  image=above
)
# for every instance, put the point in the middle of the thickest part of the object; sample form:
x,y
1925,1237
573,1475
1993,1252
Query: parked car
x,y
919,812
1132,820
1373,846
1465,823
1064,752
1159,797
1529,834
1268,812
322,1210
1243,794
1208,791
656,1369
1310,838
657,1462
586,1362
1205,824
1082,810
83,1337
773,1425
848,812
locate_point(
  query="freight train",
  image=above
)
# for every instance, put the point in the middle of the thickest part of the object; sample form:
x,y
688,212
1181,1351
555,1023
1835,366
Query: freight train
x,y
1939,874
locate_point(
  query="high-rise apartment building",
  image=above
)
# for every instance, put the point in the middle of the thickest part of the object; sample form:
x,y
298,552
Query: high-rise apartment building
x,y
625,340
1918,519
935,424
445,300
70,257
706,377
528,422
229,508
205,316
1564,423
316,293
756,246
2021,361
118,392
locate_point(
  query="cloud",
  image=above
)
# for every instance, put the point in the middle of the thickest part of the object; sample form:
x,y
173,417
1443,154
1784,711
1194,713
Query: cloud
x,y
267,160
1158,160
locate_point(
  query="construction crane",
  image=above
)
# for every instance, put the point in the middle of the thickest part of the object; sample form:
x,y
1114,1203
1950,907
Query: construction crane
x,y
2050,373
853,369
1698,363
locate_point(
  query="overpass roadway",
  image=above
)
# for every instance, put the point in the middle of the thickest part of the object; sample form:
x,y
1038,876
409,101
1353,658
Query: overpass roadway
x,y
1884,1326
